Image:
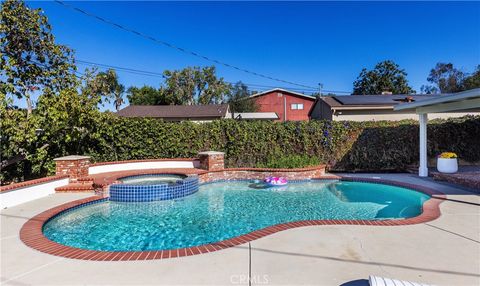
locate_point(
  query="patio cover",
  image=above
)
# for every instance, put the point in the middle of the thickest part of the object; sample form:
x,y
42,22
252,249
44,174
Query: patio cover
x,y
462,101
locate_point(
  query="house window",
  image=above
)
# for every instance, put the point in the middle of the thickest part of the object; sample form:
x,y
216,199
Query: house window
x,y
297,106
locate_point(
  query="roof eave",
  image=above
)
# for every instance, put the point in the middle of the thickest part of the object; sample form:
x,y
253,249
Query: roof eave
x,y
445,99
363,107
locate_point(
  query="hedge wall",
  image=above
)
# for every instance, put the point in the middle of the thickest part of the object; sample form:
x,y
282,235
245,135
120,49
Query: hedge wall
x,y
345,146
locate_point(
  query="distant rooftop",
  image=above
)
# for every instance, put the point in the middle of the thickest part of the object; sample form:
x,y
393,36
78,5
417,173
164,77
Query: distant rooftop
x,y
256,115
175,111
384,99
283,91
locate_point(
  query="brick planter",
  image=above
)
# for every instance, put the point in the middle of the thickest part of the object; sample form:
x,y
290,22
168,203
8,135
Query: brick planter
x,y
74,166
212,160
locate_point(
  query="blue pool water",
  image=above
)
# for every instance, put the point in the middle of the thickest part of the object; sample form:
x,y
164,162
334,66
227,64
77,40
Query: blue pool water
x,y
224,210
154,179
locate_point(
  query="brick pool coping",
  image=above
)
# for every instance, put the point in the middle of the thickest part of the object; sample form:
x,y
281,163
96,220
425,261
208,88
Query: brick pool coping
x,y
31,232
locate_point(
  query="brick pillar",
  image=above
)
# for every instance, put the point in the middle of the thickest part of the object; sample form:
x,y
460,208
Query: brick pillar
x,y
212,160
74,166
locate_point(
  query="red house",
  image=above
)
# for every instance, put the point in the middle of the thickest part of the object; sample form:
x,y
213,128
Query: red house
x,y
287,104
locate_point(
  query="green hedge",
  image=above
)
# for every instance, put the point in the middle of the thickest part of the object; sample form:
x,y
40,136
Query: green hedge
x,y
290,162
344,146
349,146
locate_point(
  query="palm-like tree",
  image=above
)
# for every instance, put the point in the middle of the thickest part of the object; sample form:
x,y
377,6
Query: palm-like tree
x,y
118,96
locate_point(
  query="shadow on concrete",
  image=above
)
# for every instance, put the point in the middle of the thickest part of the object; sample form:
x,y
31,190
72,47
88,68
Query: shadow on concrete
x,y
451,232
457,201
365,262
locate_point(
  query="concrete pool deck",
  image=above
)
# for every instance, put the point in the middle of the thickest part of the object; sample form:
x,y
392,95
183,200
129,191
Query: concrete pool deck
x,y
445,251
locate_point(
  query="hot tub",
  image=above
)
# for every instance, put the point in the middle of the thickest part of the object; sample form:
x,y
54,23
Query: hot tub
x,y
154,187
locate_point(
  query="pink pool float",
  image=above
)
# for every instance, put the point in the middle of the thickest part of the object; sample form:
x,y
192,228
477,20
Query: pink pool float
x,y
275,181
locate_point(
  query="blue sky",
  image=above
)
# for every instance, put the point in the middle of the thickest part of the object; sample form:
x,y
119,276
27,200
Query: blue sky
x,y
303,42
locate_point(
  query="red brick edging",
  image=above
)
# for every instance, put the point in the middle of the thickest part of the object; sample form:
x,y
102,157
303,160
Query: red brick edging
x,y
32,235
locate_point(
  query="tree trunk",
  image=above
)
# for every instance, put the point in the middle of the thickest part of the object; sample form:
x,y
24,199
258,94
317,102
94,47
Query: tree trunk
x,y
29,105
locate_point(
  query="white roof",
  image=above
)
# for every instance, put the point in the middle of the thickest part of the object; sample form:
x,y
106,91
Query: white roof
x,y
469,99
256,115
282,90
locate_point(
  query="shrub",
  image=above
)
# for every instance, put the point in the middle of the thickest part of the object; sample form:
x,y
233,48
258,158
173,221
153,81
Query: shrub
x,y
289,162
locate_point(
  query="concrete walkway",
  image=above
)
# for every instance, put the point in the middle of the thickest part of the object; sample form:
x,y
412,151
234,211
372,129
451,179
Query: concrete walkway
x,y
443,252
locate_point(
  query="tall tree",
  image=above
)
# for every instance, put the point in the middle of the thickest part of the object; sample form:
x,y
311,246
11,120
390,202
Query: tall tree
x,y
30,60
446,78
386,76
118,99
195,85
105,87
17,135
472,81
70,116
147,95
428,89
239,100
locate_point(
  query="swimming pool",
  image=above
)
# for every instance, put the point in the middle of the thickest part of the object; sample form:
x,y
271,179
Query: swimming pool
x,y
224,210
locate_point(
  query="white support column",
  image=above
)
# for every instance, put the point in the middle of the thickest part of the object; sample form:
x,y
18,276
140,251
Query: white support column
x,y
423,169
